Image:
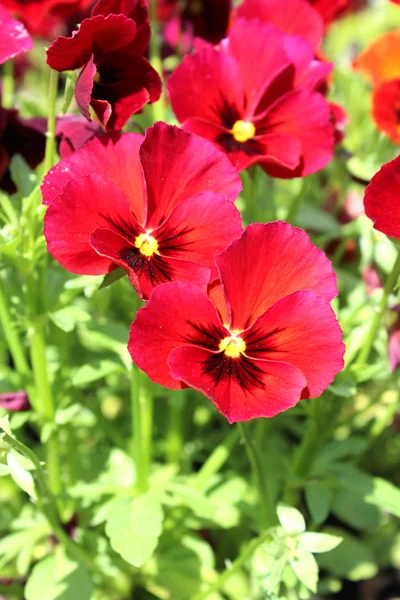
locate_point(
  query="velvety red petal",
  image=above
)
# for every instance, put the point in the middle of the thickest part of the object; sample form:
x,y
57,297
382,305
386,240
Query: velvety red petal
x,y
98,35
267,263
216,294
127,82
309,72
73,132
84,87
176,314
305,115
137,10
295,17
207,85
117,156
87,203
248,389
302,330
146,273
178,165
199,228
272,59
14,38
330,9
385,112
381,200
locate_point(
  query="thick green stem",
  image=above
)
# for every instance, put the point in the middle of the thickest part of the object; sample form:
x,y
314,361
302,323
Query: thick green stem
x,y
48,504
11,335
246,553
45,404
216,460
155,58
50,151
268,509
174,441
387,290
8,85
142,428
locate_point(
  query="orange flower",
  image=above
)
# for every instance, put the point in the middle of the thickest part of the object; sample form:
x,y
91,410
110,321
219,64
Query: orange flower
x,y
379,62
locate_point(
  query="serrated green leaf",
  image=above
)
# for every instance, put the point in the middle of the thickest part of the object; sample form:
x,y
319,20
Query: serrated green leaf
x,y
95,371
21,474
56,577
318,542
291,519
306,569
66,318
134,527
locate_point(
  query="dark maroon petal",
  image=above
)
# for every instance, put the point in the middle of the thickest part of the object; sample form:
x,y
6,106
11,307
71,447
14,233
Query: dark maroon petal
x,y
137,10
15,401
84,86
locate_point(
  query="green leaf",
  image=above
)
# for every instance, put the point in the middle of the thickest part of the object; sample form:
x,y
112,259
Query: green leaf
x,y
112,277
58,578
22,176
291,519
352,559
95,371
306,568
20,473
67,318
373,490
318,498
134,526
318,542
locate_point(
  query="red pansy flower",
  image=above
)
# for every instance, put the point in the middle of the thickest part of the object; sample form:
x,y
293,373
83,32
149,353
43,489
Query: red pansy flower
x,y
116,80
381,200
295,17
265,336
160,207
40,16
258,111
14,38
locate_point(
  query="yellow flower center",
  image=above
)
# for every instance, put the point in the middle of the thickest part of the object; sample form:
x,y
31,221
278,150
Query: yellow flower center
x,y
233,346
243,131
147,244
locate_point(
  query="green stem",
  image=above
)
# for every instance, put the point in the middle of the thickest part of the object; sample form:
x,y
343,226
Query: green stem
x,y
265,499
174,441
8,84
50,151
45,404
155,58
48,504
142,426
12,337
387,290
216,460
245,554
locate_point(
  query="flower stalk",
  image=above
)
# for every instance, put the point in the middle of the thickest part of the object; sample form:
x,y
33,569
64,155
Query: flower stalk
x,y
142,428
50,150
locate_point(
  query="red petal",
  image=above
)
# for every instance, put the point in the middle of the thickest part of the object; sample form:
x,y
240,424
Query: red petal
x,y
199,228
178,165
267,263
84,87
98,35
394,349
207,85
295,17
257,75
87,203
381,200
74,132
168,321
385,103
302,330
137,10
115,155
14,38
278,388
305,115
